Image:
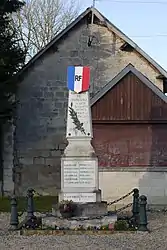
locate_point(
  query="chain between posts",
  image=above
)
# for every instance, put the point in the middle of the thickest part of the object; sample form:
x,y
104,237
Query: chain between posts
x,y
121,198
124,207
91,217
108,204
94,217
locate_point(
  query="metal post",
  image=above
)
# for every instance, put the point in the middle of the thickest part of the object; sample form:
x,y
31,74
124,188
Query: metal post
x,y
142,214
14,213
30,203
135,206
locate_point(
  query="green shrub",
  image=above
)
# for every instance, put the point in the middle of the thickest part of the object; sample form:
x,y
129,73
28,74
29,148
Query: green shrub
x,y
41,203
121,225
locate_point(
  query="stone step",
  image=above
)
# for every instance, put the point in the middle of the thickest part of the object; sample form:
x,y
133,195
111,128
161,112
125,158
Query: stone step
x,y
77,222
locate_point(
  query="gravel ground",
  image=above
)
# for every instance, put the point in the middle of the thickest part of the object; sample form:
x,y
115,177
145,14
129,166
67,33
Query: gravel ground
x,y
156,239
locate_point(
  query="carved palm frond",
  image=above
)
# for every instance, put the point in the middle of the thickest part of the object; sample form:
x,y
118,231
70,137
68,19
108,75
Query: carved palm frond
x,y
76,122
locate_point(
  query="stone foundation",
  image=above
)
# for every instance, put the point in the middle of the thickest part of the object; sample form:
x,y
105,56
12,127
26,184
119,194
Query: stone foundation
x,y
76,222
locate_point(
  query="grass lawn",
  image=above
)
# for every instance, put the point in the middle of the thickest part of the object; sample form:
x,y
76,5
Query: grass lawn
x,y
41,203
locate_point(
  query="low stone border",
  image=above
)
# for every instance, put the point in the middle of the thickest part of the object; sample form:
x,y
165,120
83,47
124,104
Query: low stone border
x,y
70,232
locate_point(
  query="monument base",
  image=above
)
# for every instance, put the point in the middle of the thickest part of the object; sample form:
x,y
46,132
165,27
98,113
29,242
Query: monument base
x,y
80,222
89,209
92,209
78,197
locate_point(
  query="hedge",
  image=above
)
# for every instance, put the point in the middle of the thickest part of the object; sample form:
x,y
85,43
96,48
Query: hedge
x,y
41,203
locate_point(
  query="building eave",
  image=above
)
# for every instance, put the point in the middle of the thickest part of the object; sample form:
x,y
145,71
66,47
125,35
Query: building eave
x,y
129,68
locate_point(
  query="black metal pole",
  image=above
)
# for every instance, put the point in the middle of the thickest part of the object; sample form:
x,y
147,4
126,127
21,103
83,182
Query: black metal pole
x,y
30,203
142,214
135,206
14,213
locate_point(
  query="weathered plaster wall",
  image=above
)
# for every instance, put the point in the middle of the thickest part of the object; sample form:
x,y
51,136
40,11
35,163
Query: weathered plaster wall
x,y
41,115
152,184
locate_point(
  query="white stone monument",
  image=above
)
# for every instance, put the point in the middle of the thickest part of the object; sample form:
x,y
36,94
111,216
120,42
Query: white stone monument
x,y
79,164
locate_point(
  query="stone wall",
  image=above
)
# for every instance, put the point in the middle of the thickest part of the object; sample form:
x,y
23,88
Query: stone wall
x,y
41,115
7,180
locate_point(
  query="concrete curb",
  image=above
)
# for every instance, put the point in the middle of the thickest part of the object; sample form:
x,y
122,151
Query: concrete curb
x,y
70,232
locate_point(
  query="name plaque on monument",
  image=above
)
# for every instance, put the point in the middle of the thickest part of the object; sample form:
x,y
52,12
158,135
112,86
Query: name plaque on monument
x,y
80,197
78,122
79,174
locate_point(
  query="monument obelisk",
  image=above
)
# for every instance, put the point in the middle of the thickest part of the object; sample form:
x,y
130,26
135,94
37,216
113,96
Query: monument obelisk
x,y
79,164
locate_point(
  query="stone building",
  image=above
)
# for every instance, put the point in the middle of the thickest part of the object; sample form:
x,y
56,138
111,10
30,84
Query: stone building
x,y
36,139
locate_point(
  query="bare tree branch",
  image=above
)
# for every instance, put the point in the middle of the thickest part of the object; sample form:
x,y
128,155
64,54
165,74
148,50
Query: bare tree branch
x,y
40,20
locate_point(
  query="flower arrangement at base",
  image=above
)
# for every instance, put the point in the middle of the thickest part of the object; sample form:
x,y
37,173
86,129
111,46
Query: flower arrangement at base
x,y
67,208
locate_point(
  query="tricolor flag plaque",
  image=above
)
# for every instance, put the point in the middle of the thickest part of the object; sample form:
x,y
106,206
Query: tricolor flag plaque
x,y
78,78
79,122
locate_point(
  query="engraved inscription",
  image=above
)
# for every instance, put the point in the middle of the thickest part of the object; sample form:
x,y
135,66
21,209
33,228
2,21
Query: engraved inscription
x,y
80,197
79,174
80,104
